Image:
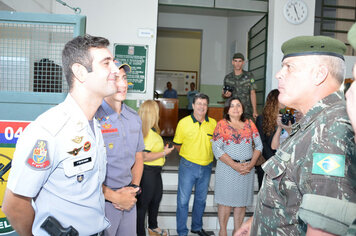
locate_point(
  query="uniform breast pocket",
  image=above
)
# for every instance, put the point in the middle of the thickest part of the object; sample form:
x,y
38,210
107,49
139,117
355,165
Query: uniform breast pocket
x,y
134,132
74,166
111,140
276,180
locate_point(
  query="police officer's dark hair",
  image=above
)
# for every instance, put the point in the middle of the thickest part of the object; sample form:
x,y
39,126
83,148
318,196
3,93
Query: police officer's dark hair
x,y
77,51
201,96
227,106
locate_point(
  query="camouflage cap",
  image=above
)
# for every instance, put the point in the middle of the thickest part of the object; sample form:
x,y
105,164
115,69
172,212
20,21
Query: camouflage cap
x,y
313,45
351,36
238,56
125,66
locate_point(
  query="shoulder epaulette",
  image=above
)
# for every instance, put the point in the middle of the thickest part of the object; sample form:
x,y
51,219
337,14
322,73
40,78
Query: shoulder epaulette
x,y
53,120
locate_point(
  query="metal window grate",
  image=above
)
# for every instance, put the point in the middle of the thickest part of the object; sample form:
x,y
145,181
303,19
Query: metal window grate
x,y
334,18
257,57
30,56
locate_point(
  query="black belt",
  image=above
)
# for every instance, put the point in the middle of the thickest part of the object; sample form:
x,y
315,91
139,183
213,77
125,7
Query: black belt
x,y
98,234
243,161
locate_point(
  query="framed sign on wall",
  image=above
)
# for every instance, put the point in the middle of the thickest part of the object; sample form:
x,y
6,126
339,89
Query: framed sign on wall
x,y
136,57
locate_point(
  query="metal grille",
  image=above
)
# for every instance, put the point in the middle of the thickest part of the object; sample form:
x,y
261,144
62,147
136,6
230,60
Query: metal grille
x,y
334,18
257,57
30,56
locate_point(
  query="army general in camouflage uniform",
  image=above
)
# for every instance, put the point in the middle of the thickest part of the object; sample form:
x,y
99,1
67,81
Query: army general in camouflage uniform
x,y
308,182
242,84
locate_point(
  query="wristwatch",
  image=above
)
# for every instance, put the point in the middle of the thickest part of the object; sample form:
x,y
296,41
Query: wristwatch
x,y
135,186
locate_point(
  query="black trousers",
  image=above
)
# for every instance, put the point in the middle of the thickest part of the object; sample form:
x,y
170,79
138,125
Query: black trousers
x,y
150,198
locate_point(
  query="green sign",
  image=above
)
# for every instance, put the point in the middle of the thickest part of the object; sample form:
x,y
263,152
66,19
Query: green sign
x,y
136,57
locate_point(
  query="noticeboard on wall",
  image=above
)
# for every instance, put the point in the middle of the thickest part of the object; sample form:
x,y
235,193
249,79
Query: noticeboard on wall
x,y
180,80
136,57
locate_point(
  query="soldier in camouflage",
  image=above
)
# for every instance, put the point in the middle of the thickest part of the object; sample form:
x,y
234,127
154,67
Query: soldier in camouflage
x,y
308,183
242,84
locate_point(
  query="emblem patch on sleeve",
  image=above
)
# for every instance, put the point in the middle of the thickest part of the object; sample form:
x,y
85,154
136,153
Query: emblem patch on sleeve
x,y
328,164
39,157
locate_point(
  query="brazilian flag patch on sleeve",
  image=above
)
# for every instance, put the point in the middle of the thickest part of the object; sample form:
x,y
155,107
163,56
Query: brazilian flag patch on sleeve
x,y
328,164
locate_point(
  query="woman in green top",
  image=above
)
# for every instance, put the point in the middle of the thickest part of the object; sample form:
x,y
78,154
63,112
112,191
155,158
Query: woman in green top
x,y
154,158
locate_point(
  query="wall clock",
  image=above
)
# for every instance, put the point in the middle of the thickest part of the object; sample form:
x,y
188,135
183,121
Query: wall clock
x,y
295,11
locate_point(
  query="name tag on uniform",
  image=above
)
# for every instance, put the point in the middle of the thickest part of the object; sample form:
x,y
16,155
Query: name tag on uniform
x,y
75,166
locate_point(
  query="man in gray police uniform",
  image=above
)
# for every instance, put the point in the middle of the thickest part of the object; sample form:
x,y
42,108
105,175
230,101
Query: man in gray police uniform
x,y
242,84
309,180
60,161
122,130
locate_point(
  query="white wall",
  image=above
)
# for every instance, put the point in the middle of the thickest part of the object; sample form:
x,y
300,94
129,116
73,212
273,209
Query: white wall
x,y
117,20
237,37
279,31
39,6
350,62
213,59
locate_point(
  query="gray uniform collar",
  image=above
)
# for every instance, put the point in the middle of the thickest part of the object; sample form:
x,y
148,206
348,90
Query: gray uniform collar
x,y
111,113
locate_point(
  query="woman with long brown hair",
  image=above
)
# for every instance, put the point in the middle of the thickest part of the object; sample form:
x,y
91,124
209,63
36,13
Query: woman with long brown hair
x,y
151,181
270,128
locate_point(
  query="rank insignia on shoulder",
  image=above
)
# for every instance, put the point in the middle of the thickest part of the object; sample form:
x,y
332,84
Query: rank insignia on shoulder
x,y
87,146
39,157
80,178
328,164
78,139
75,151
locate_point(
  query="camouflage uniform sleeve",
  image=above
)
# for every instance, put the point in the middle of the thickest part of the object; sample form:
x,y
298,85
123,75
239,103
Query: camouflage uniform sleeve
x,y
323,213
225,78
253,82
326,173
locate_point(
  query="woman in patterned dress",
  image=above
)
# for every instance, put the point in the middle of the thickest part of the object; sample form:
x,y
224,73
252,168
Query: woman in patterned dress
x,y
236,157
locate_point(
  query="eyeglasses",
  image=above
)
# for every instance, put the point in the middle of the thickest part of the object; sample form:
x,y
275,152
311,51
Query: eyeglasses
x,y
201,104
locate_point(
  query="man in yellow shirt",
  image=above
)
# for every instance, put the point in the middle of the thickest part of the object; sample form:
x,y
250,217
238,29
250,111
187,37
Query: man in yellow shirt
x,y
192,140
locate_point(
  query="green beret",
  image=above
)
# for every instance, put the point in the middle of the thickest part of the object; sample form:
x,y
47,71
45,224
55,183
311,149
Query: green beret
x,y
313,45
351,36
238,55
